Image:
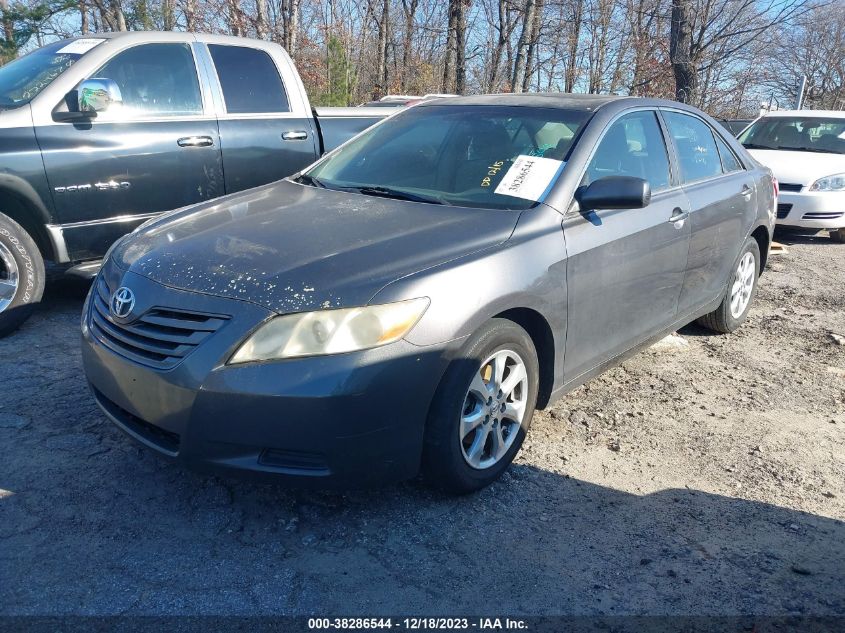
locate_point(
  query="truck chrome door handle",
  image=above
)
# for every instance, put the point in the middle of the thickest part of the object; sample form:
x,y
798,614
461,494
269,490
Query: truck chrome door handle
x,y
297,135
195,141
678,217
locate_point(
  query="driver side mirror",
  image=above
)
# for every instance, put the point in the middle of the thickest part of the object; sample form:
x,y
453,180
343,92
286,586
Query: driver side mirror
x,y
615,192
98,95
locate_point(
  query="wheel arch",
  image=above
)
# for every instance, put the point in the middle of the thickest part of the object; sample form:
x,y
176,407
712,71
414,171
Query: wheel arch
x,y
21,203
764,239
538,328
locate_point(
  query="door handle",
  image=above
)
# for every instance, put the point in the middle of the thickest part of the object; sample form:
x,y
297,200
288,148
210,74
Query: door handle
x,y
297,135
195,141
678,217
746,192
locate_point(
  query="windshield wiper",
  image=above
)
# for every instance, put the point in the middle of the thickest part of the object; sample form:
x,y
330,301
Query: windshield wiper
x,y
396,194
756,146
305,179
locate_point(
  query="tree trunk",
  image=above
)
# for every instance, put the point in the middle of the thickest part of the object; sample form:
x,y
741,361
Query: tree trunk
x,y
519,65
571,72
499,49
191,15
410,9
450,46
460,46
381,64
83,17
291,26
261,18
680,55
168,14
532,45
119,18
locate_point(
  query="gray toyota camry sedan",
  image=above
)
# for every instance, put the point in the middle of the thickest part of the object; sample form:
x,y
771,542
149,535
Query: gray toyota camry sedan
x,y
407,302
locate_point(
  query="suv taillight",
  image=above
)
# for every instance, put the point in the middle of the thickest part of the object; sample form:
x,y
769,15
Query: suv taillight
x,y
775,186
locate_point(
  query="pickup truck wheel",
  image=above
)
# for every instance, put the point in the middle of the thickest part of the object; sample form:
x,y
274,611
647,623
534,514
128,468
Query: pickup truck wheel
x,y
482,409
21,275
740,292
837,235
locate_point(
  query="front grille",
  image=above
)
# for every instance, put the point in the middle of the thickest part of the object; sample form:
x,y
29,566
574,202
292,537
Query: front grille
x,y
822,216
160,338
786,186
166,441
783,210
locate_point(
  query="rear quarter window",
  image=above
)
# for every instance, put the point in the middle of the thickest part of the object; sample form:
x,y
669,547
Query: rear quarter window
x,y
249,79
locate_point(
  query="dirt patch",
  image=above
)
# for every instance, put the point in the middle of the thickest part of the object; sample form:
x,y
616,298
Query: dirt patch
x,y
706,478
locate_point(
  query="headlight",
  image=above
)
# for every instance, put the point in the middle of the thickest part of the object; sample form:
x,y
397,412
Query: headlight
x,y
836,182
331,331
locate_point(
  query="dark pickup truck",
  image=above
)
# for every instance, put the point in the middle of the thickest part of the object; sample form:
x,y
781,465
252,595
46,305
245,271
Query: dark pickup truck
x,y
99,134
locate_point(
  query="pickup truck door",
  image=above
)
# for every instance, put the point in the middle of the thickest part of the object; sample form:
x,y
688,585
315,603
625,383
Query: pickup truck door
x,y
625,267
266,132
160,150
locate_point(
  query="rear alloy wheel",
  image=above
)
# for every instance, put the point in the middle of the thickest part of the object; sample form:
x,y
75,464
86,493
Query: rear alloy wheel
x,y
837,235
21,275
740,292
482,409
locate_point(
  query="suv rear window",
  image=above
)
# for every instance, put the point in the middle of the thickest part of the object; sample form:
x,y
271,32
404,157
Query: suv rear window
x,y
250,80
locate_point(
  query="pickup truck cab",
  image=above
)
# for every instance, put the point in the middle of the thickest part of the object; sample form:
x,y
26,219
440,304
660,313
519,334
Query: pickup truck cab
x,y
99,134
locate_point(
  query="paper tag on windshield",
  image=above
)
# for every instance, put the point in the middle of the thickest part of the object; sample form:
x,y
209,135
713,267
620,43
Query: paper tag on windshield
x,y
530,177
80,46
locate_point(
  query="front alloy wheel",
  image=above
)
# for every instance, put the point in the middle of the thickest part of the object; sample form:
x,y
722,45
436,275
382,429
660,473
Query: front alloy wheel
x,y
494,408
482,408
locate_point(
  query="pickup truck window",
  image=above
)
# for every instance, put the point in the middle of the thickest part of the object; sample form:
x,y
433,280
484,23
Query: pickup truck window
x,y
157,80
22,79
249,79
454,155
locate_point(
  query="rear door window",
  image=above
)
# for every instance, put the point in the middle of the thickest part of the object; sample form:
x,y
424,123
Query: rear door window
x,y
249,79
730,163
697,152
632,146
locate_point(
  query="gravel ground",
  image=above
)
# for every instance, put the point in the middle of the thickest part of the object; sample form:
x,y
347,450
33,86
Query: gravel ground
x,y
701,479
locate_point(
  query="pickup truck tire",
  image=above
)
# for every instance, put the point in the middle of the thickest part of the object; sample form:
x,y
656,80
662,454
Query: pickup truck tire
x,y
482,409
21,275
838,235
739,293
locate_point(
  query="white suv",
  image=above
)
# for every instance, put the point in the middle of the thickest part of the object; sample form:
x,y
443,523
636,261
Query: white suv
x,y
806,151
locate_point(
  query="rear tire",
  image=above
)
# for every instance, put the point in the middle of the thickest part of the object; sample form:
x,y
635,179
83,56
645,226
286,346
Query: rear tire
x,y
837,235
482,409
21,275
739,293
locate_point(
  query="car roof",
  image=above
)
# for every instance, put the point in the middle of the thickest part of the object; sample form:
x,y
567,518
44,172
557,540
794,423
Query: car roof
x,y
562,100
809,114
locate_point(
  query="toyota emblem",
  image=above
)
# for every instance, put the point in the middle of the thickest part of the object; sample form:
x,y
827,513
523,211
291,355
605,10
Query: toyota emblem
x,y
122,302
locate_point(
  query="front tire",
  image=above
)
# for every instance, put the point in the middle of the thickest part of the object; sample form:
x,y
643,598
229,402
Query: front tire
x,y
21,275
482,409
740,292
837,235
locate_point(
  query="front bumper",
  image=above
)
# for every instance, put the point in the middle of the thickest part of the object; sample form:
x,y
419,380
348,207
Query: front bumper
x,y
813,210
347,420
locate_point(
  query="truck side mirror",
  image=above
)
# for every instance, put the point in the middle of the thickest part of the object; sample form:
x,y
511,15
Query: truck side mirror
x,y
98,95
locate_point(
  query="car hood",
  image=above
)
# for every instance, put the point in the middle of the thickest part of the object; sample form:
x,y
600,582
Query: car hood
x,y
290,247
800,168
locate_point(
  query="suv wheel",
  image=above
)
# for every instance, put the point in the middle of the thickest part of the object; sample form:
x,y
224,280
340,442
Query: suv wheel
x,y
21,275
482,409
740,293
837,235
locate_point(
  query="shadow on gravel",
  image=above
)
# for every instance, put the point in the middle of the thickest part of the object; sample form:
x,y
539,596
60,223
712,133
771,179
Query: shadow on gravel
x,y
791,237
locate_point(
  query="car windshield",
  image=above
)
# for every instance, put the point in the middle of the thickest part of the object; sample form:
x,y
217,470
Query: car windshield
x,y
456,155
797,134
22,79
